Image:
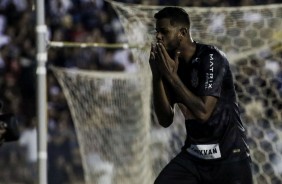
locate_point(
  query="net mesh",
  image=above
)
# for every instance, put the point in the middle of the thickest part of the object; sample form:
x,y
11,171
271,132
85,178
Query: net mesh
x,y
237,31
119,136
111,116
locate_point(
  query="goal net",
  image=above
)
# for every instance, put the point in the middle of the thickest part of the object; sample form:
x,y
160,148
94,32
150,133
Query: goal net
x,y
119,137
111,115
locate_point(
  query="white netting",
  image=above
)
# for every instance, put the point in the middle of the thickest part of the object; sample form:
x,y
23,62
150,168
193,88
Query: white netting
x,y
237,31
119,137
112,121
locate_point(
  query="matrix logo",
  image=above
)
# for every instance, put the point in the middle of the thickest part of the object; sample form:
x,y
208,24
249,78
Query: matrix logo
x,y
209,74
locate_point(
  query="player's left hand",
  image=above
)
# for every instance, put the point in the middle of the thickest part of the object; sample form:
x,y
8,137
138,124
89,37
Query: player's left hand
x,y
167,65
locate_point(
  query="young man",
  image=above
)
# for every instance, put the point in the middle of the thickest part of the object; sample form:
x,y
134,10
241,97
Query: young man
x,y
197,77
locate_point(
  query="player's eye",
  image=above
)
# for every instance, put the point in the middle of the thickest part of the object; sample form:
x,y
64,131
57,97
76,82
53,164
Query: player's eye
x,y
161,31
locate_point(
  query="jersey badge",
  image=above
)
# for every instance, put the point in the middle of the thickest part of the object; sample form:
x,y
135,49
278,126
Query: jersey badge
x,y
194,78
196,60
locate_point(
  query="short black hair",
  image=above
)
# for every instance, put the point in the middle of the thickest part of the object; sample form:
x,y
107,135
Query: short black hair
x,y
175,14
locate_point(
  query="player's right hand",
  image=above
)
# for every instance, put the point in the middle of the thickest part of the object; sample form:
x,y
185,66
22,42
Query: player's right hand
x,y
153,62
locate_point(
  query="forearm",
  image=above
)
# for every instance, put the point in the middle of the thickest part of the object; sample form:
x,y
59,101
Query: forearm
x,y
195,104
162,105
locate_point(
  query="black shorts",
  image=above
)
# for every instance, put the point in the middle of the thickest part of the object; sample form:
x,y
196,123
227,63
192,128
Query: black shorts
x,y
183,170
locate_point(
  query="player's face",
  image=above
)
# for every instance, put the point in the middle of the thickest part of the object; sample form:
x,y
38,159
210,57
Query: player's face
x,y
167,34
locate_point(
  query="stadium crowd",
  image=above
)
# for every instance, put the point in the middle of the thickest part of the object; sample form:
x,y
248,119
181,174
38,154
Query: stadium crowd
x,y
67,20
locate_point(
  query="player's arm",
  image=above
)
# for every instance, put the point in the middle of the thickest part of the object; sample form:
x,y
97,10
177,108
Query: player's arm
x,y
200,106
162,103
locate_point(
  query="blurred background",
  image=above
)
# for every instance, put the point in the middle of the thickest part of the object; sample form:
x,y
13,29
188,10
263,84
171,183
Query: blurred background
x,y
67,20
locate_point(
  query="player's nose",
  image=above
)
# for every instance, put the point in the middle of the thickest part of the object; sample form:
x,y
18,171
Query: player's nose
x,y
158,36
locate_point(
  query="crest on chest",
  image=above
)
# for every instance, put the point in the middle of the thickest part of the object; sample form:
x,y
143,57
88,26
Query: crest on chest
x,y
194,72
194,78
188,73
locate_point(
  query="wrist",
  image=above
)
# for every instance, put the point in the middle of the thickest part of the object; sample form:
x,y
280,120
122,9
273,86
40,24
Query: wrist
x,y
173,78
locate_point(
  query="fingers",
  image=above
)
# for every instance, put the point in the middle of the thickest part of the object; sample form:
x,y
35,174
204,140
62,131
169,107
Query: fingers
x,y
152,56
160,58
162,54
176,59
177,55
153,52
153,47
162,51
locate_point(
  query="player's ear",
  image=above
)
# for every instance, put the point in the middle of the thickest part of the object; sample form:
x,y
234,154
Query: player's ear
x,y
183,31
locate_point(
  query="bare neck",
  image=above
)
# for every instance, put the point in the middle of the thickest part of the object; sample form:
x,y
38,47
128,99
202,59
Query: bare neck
x,y
187,49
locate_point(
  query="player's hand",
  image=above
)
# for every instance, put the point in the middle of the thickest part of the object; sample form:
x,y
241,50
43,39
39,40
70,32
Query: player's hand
x,y
166,64
153,62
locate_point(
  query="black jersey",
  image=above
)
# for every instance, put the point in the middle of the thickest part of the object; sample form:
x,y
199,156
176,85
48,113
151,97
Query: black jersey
x,y
222,137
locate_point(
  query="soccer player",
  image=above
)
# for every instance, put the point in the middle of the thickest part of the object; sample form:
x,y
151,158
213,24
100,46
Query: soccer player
x,y
197,78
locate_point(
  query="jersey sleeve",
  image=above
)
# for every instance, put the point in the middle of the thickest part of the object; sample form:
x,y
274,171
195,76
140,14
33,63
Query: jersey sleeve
x,y
211,73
